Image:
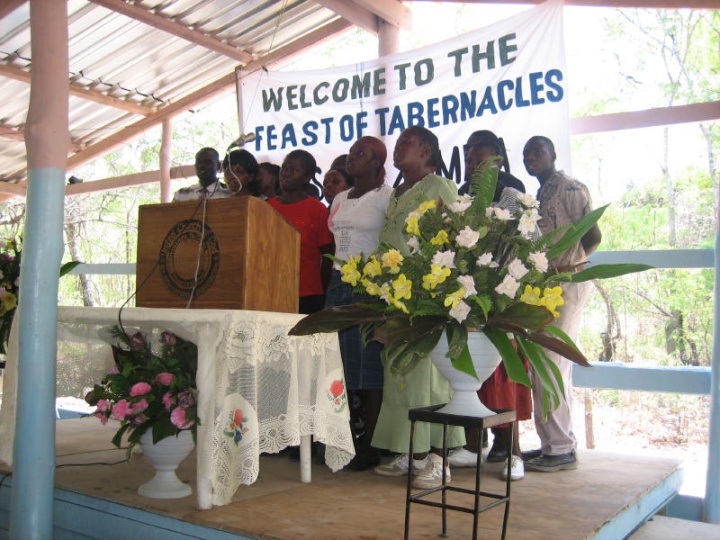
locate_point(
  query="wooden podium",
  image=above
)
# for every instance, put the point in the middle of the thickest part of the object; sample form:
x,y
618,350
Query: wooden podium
x,y
249,257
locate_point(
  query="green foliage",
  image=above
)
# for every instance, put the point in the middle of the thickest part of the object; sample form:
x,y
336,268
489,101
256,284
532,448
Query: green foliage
x,y
647,303
10,257
10,262
672,43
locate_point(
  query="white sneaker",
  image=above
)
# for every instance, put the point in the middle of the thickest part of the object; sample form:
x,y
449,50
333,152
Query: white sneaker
x,y
517,468
399,466
462,457
431,476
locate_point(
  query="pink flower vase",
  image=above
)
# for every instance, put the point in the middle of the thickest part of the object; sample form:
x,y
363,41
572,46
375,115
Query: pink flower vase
x,y
486,358
166,455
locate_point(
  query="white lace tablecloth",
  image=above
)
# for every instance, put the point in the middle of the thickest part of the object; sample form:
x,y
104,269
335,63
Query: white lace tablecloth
x,y
281,387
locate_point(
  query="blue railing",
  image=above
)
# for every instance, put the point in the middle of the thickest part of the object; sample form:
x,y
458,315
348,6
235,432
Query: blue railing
x,y
619,376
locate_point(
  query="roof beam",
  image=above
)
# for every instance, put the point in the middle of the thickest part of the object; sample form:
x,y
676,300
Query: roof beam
x,y
8,190
16,134
106,184
662,116
137,179
366,13
166,25
392,12
9,6
352,12
206,93
77,90
11,133
118,139
110,101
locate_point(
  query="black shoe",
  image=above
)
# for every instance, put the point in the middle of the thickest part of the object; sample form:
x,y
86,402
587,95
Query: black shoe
x,y
546,463
530,454
496,455
364,461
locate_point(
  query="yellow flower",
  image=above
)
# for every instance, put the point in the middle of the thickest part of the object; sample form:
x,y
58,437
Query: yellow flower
x,y
373,289
372,267
438,274
552,298
403,288
425,206
400,305
412,226
8,302
392,260
531,295
452,300
349,271
440,238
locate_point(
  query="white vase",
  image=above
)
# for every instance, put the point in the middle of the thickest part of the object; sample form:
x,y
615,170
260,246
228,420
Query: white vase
x,y
485,357
166,455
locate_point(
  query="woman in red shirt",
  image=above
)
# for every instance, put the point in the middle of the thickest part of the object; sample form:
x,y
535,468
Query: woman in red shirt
x,y
309,216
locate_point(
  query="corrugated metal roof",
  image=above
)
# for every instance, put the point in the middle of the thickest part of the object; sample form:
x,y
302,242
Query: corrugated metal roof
x,y
145,67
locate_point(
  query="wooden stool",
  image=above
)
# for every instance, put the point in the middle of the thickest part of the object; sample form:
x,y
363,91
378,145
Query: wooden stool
x,y
430,415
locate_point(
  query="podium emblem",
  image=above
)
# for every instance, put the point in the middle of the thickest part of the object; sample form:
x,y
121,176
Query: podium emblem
x,y
189,258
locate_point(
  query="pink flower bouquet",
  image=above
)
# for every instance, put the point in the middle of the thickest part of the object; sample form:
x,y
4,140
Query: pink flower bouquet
x,y
150,387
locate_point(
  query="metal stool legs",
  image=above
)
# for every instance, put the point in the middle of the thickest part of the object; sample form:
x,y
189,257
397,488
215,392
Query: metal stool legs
x,y
430,414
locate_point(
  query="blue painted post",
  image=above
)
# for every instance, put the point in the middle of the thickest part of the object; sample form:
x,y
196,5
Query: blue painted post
x,y
46,140
31,508
711,506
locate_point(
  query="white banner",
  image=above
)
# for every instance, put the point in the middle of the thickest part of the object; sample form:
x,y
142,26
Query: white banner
x,y
508,77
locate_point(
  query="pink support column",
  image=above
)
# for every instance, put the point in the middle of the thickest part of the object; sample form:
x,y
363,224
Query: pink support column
x,y
165,161
46,129
388,39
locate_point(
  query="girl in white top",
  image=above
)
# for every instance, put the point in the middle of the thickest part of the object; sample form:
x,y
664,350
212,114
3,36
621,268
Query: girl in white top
x,y
356,221
356,217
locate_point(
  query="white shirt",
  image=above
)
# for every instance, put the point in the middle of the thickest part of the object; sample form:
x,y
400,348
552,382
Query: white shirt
x,y
356,223
193,193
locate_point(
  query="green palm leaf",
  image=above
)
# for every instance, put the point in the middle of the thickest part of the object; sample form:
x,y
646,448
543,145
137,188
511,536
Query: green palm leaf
x,y
574,233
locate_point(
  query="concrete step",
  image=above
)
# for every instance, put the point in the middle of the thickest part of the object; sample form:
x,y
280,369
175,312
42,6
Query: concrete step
x,y
666,528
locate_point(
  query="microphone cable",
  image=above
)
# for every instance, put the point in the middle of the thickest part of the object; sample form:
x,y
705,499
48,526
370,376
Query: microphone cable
x,y
199,252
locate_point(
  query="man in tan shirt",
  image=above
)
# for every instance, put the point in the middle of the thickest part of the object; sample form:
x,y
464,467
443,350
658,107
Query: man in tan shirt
x,y
563,201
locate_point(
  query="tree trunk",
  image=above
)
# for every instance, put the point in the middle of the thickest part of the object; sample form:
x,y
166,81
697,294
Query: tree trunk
x,y
670,190
72,234
612,332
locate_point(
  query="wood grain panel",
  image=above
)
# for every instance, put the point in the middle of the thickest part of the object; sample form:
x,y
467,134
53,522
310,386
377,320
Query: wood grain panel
x,y
249,257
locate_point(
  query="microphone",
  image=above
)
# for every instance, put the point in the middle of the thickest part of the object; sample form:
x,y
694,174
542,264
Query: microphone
x,y
242,139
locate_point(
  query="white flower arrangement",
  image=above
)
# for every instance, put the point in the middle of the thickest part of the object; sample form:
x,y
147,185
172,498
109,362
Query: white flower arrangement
x,y
469,265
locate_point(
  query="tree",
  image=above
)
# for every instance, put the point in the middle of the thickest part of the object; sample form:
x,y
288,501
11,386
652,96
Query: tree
x,y
668,65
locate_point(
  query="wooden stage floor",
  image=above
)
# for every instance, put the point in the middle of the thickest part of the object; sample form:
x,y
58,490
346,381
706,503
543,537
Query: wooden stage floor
x,y
601,499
